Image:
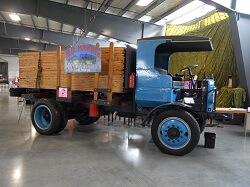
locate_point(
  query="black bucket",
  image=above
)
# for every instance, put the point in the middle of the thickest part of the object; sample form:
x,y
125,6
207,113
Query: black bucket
x,y
209,140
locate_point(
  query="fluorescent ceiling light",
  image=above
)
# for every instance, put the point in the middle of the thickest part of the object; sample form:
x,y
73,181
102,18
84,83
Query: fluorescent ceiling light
x,y
28,39
145,18
91,35
77,32
144,2
102,37
191,11
161,22
14,17
124,43
112,40
133,45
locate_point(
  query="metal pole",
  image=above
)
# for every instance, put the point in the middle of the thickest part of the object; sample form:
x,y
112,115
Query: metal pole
x,y
142,30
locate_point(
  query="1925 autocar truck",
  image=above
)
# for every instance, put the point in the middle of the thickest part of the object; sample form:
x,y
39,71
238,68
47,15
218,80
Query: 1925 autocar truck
x,y
179,114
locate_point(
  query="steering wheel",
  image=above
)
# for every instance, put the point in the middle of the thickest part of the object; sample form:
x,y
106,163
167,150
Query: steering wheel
x,y
189,69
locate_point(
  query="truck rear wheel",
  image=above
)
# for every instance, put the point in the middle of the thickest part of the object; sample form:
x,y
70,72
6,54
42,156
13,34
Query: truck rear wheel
x,y
64,116
175,132
84,119
46,117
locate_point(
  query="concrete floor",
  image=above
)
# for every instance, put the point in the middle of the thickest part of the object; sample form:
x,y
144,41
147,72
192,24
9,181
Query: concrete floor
x,y
112,154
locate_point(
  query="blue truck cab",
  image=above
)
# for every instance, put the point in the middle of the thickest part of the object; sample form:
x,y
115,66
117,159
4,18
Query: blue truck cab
x,y
179,114
155,85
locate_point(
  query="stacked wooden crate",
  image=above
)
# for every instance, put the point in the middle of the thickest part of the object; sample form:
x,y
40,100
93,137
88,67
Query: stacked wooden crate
x,y
28,66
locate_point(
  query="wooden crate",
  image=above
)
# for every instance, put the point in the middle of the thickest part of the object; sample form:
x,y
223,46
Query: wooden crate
x,y
28,67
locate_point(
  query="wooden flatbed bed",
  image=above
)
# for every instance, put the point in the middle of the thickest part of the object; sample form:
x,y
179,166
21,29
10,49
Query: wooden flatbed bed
x,y
50,61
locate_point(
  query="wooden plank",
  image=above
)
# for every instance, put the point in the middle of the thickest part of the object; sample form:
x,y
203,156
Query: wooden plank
x,y
59,51
69,81
231,110
96,80
111,70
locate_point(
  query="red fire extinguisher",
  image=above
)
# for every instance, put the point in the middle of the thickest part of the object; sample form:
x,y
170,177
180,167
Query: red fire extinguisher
x,y
132,80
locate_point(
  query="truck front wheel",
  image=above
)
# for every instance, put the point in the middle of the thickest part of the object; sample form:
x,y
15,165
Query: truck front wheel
x,y
175,132
46,117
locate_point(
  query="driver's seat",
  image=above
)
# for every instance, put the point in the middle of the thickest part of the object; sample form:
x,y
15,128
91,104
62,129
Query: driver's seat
x,y
177,78
165,72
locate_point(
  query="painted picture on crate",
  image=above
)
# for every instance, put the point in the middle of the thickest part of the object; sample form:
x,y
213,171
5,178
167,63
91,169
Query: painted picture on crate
x,y
83,58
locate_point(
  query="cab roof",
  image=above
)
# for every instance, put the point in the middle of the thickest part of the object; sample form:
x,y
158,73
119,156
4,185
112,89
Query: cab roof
x,y
181,43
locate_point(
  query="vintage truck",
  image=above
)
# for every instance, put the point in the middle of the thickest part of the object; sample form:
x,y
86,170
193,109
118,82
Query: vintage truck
x,y
127,81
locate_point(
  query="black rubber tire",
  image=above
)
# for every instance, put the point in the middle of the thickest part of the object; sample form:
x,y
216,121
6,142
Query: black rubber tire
x,y
84,119
64,116
94,119
185,116
56,116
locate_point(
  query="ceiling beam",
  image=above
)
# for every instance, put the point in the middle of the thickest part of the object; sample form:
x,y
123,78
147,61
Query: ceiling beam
x,y
233,4
182,4
61,27
124,10
47,22
86,4
113,26
13,51
66,2
37,7
106,6
74,31
9,43
218,6
148,9
20,22
3,17
8,30
33,22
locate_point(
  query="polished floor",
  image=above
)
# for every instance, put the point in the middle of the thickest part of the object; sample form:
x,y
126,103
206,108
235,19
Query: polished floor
x,y
112,154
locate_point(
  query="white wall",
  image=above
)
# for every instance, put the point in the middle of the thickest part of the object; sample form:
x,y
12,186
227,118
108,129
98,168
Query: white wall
x,y
13,65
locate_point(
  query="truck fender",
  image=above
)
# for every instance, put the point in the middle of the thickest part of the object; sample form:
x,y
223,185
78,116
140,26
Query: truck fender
x,y
165,106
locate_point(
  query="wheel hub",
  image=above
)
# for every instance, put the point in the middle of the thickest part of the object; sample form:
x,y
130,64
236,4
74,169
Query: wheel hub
x,y
46,117
43,117
173,133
